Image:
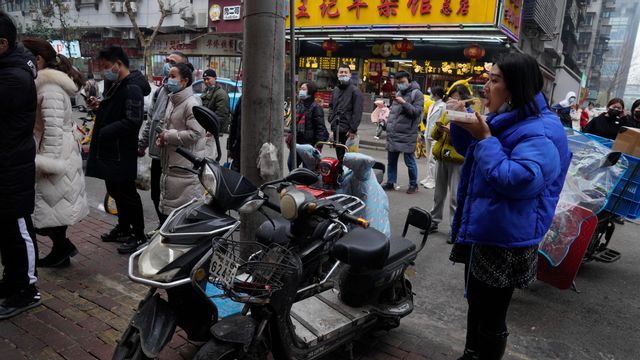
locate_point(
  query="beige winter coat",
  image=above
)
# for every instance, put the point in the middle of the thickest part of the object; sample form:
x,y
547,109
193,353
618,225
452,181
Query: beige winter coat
x,y
60,188
177,187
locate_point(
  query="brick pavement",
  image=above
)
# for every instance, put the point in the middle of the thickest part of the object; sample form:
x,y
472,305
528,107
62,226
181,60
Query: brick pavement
x,y
88,305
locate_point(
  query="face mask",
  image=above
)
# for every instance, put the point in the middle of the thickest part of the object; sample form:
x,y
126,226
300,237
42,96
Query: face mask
x,y
302,94
504,108
165,69
636,115
344,80
403,86
614,112
173,86
110,75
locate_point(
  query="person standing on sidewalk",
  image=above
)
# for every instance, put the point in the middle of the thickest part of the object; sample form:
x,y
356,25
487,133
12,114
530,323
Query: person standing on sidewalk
x,y
433,115
310,128
345,109
180,129
61,200
216,99
18,104
155,116
514,170
449,162
114,148
402,130
379,116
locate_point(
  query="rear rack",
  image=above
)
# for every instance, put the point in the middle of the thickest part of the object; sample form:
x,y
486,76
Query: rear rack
x,y
350,203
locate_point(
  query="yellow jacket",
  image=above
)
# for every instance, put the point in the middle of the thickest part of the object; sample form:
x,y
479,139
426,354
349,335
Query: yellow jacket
x,y
443,150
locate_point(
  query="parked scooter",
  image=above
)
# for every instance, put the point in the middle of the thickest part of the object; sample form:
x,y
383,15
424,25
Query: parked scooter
x,y
167,261
373,292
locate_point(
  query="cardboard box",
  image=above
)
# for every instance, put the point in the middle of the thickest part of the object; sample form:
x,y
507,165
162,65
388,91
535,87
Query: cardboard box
x,y
628,141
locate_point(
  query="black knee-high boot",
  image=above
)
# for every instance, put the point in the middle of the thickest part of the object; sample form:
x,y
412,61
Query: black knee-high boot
x,y
62,250
491,346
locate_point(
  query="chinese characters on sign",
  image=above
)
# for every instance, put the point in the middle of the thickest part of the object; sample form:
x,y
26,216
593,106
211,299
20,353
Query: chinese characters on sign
x,y
448,68
302,10
212,45
388,8
231,13
511,18
328,8
324,63
425,6
357,4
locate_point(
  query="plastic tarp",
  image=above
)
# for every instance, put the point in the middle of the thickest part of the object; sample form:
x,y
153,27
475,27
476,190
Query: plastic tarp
x,y
360,181
589,181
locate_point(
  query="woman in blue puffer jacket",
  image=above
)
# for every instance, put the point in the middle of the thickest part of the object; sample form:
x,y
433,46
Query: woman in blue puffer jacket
x,y
514,170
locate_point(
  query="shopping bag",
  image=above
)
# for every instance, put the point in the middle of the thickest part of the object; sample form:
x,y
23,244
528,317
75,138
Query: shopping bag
x,y
143,180
353,144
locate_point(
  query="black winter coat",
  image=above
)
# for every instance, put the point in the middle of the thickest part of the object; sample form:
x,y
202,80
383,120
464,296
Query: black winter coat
x,y
313,129
113,154
18,103
345,109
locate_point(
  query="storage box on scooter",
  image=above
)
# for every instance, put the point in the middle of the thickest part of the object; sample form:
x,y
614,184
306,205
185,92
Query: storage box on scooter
x,y
628,141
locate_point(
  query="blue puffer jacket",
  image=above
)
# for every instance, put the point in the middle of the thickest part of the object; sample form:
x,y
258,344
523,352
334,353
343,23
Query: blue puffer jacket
x,y
511,182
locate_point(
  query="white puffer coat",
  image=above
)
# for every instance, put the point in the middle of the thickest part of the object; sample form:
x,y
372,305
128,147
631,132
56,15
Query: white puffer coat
x,y
60,188
177,187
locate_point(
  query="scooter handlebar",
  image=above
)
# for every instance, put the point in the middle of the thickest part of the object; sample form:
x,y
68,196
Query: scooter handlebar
x,y
355,220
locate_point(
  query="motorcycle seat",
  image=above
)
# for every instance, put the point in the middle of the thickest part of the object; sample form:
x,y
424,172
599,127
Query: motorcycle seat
x,y
267,234
362,248
399,247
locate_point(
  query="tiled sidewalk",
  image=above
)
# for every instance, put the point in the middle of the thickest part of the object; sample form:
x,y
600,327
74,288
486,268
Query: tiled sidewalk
x,y
87,306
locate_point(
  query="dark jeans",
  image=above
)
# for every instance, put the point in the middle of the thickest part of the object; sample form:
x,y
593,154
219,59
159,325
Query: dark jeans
x,y
340,138
130,213
409,160
156,172
19,251
487,315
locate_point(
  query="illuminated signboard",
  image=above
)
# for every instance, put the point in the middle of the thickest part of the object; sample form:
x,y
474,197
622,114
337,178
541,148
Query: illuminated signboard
x,y
325,63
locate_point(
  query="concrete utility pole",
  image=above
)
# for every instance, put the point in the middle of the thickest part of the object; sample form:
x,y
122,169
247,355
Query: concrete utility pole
x,y
263,92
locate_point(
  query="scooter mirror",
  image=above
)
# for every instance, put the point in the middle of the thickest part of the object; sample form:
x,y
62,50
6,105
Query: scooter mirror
x,y
207,119
302,176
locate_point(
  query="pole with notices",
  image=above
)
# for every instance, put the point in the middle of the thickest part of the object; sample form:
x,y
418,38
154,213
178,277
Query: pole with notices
x,y
263,92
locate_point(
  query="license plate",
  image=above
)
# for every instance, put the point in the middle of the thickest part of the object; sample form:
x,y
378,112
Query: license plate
x,y
223,268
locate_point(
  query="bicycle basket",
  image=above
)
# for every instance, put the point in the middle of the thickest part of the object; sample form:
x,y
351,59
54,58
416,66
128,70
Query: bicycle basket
x,y
250,272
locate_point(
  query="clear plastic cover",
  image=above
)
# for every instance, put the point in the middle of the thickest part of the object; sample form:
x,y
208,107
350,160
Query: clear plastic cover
x,y
590,179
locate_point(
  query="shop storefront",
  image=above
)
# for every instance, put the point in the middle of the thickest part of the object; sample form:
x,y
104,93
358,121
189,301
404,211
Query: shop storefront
x,y
438,41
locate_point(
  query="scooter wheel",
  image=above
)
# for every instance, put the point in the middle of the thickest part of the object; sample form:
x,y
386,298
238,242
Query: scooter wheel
x,y
129,347
216,350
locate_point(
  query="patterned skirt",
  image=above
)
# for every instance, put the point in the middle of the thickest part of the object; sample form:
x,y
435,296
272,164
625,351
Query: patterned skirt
x,y
497,266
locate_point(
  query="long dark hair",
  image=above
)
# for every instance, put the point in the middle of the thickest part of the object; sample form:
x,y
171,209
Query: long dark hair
x,y
524,80
52,60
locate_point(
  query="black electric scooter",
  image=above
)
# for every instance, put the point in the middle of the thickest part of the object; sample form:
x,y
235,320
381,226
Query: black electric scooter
x,y
373,292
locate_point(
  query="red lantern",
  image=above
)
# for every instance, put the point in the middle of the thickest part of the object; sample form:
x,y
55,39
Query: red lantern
x,y
404,46
474,52
329,46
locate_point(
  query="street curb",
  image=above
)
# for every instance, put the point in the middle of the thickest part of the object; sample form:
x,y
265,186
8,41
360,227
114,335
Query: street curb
x,y
372,145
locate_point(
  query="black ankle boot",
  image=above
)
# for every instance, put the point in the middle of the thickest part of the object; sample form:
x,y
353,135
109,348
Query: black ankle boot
x,y
469,355
60,255
491,346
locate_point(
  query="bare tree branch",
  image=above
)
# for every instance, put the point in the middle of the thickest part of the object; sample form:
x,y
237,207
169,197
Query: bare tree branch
x,y
145,42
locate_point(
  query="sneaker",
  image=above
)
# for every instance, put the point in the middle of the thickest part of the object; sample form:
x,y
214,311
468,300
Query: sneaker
x,y
429,185
59,256
377,137
116,235
412,189
388,186
132,244
23,300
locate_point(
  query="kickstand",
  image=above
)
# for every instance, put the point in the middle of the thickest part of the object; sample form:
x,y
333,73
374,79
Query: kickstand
x,y
349,348
574,287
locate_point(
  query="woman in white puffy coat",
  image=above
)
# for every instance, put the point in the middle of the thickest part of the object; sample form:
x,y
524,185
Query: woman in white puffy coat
x,y
60,200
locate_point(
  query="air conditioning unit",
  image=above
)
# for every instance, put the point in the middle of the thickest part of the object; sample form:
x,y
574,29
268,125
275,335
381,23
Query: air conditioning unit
x,y
201,20
116,7
134,7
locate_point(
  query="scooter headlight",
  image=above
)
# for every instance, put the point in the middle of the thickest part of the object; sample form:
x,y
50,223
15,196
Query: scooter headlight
x,y
158,255
290,203
209,181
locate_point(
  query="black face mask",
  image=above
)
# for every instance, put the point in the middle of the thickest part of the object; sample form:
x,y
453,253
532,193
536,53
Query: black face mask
x,y
636,115
614,112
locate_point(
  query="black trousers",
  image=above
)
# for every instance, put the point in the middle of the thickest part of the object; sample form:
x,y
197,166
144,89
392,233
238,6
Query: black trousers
x,y
130,214
487,315
156,172
57,234
341,138
19,251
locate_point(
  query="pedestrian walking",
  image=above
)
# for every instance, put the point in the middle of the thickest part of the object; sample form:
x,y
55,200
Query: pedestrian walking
x,y
608,124
155,115
564,109
402,129
114,146
18,101
216,99
310,128
91,87
60,199
345,109
587,115
379,116
433,115
449,162
180,129
515,165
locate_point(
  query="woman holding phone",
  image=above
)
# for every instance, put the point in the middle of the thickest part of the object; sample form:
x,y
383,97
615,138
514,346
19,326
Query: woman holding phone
x,y
515,164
